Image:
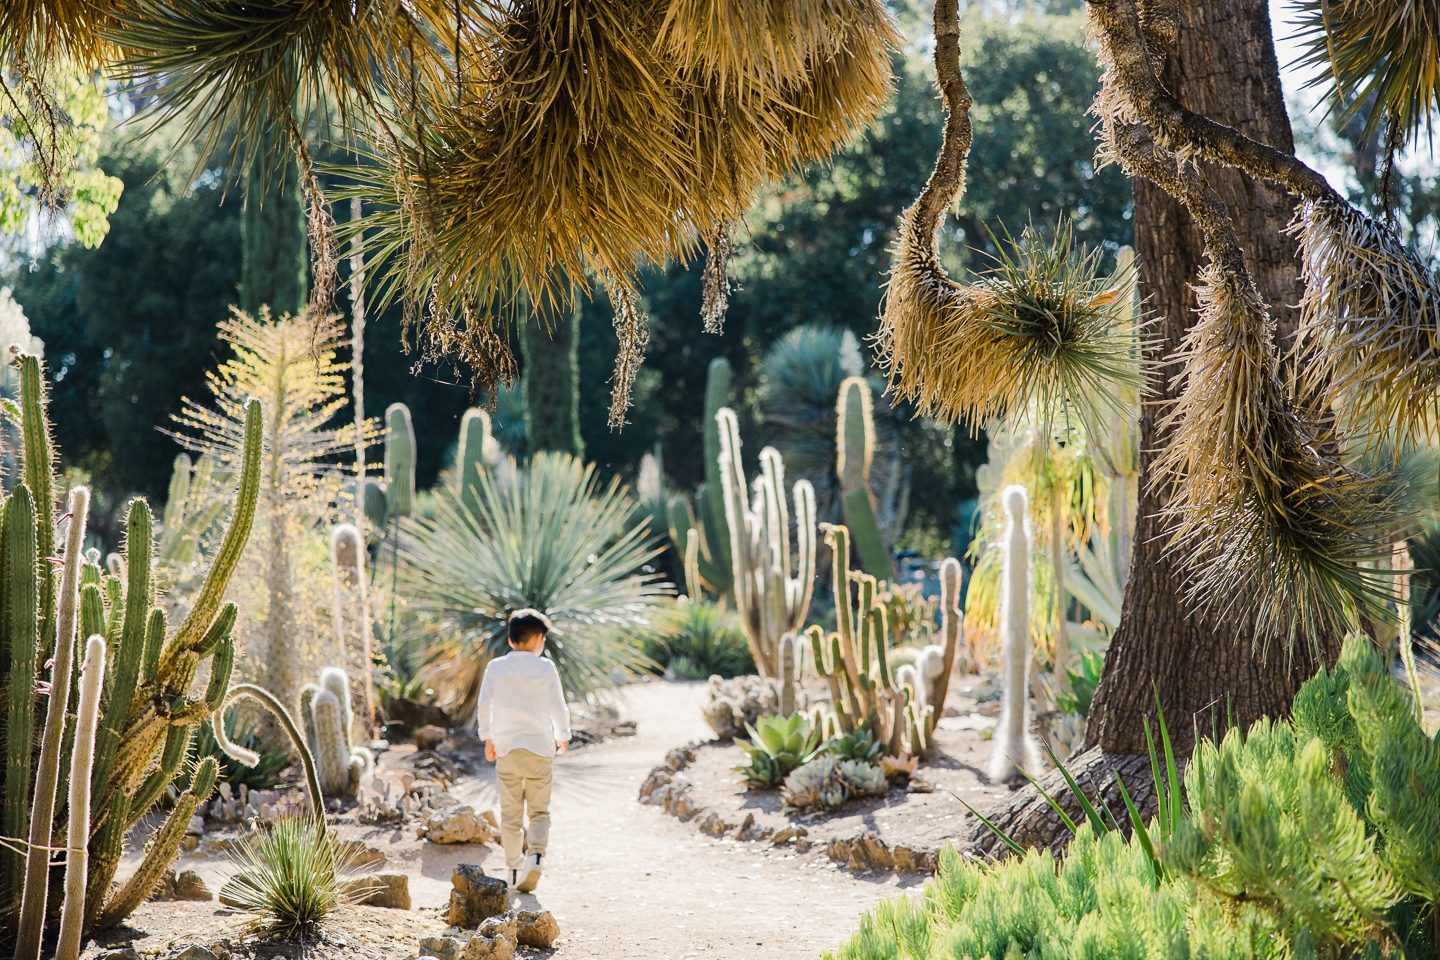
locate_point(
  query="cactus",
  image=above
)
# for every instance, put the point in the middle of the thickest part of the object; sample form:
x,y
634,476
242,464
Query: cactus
x,y
769,600
352,620
815,785
854,449
376,507
709,571
250,758
787,674
47,774
477,449
325,715
1015,749
399,460
854,660
710,530
72,914
861,778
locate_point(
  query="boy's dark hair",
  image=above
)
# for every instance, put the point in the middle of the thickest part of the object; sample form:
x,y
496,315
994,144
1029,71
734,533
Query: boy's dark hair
x,y
524,624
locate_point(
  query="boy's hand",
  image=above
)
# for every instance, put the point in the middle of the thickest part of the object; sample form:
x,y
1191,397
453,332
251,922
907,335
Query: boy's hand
x,y
561,746
490,750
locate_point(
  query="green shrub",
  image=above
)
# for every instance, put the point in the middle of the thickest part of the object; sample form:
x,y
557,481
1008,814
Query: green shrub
x,y
1317,836
289,876
702,641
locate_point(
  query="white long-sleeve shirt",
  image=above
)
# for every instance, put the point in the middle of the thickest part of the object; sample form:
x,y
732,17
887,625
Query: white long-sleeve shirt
x,y
523,705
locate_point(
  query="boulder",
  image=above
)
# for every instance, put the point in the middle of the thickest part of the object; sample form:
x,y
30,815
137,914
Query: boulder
x,y
390,890
495,940
356,854
185,885
196,826
195,952
457,824
715,825
441,948
787,834
536,928
429,736
476,897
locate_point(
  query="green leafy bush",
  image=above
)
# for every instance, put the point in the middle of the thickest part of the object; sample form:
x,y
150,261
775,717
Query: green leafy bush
x,y
702,641
1316,836
777,745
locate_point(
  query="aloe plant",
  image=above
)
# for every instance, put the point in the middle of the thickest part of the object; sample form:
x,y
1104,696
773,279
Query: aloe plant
x,y
776,746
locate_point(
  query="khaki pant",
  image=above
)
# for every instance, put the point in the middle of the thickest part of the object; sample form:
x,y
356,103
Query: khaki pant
x,y
524,780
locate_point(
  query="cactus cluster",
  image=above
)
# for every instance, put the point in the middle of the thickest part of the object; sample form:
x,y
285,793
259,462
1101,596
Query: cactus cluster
x,y
900,706
771,602
705,541
327,718
827,781
144,709
854,449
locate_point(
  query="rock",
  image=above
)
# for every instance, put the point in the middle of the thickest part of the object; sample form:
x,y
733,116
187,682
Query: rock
x,y
189,885
476,897
124,953
410,714
918,785
215,846
195,952
441,948
429,736
910,860
536,928
356,854
715,825
458,824
750,831
495,940
659,777
189,843
788,834
679,758
896,767
802,845
390,890
196,828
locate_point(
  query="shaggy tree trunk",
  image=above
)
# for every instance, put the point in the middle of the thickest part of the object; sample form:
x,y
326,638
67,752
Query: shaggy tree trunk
x,y
1205,673
551,382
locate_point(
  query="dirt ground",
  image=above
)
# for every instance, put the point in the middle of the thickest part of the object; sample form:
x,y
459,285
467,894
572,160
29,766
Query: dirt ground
x,y
625,880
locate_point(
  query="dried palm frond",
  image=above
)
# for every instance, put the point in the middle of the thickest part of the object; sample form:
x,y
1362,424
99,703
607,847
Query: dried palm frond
x,y
633,333
1371,315
1377,48
715,285
44,31
1043,326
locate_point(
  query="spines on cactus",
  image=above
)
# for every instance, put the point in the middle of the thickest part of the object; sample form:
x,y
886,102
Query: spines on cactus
x,y
787,652
325,717
477,448
855,448
399,460
72,914
24,644
352,619
771,602
1015,749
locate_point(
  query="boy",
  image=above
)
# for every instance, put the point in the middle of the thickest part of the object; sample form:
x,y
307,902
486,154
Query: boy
x,y
524,722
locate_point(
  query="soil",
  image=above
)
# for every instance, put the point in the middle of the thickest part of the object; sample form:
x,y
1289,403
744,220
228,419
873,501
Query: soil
x,y
625,880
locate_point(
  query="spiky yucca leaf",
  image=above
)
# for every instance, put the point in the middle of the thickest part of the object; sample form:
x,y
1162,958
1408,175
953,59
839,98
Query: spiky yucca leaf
x,y
1377,48
290,875
1370,311
1044,326
552,538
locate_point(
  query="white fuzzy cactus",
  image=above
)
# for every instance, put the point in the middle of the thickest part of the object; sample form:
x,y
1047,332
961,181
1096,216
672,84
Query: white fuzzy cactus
x,y
1015,748
326,715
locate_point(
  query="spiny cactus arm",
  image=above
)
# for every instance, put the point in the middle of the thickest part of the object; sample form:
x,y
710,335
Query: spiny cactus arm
x,y
40,478
163,848
114,619
106,847
952,621
6,567
712,507
804,582
219,631
837,538
221,668
825,665
92,675
787,674
247,757
332,759
692,565
129,656
24,643
47,773
744,547
880,630
173,519
772,467
202,614
92,610
177,743
400,459
895,739
154,640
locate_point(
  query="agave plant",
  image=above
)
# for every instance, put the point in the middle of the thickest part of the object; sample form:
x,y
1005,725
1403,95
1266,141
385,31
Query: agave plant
x,y
777,745
550,537
858,744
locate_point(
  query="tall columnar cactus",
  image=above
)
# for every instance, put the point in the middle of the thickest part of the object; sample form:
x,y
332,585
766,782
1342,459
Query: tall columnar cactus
x,y
399,460
788,649
352,620
87,716
710,529
325,715
477,449
47,775
855,661
769,600
854,449
1015,748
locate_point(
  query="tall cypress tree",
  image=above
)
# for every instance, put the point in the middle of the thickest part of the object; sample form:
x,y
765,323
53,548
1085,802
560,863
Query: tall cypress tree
x,y
551,381
275,266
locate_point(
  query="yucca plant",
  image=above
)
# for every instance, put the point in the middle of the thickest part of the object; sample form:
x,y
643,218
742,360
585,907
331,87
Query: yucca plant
x,y
290,875
777,745
553,538
702,641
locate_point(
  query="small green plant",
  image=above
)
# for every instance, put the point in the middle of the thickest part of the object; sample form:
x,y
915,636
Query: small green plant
x,y
858,744
777,745
704,641
290,876
1077,699
263,775
826,782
